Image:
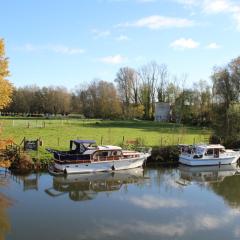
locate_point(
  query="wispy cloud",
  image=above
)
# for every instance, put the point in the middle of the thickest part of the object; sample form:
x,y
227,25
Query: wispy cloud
x,y
184,43
115,229
216,7
114,59
213,46
151,202
122,38
100,33
158,22
55,48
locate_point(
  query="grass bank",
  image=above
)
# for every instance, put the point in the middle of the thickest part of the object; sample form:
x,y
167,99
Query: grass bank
x,y
56,133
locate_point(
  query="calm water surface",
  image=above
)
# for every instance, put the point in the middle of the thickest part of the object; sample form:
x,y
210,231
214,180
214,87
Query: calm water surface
x,y
180,203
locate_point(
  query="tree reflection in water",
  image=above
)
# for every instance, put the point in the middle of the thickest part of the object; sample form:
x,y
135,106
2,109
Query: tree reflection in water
x,y
224,180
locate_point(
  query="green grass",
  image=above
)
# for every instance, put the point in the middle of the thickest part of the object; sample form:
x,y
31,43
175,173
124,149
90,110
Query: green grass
x,y
57,133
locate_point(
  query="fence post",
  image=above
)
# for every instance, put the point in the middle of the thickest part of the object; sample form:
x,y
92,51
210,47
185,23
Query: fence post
x,y
123,139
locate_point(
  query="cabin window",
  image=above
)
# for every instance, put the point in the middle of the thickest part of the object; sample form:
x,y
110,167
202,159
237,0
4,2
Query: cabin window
x,y
209,152
82,148
74,147
104,154
101,154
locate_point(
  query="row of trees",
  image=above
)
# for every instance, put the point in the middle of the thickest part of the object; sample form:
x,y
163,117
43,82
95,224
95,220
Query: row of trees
x,y
132,96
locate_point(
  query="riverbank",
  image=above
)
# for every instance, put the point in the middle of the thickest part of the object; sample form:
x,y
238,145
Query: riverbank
x,y
57,133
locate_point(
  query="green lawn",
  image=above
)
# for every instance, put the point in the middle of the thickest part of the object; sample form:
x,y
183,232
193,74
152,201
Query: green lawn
x,y
57,133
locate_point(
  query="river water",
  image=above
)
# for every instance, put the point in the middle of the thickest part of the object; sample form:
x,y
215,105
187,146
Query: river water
x,y
177,203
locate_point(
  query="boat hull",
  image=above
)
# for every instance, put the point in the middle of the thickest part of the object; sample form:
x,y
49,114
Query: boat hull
x,y
208,161
102,166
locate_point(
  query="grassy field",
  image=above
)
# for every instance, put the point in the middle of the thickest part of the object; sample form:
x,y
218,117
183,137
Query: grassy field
x,y
57,133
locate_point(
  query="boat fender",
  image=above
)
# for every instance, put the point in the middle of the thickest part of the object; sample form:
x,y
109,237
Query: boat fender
x,y
113,168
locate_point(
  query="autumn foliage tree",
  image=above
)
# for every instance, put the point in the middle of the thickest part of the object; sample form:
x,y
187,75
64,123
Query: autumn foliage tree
x,y
5,85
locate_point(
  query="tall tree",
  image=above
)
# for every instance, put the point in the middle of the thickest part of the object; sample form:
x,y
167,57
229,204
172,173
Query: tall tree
x,y
226,82
162,82
127,86
5,86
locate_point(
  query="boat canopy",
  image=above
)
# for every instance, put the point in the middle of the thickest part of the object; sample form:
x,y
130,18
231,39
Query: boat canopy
x,y
83,141
80,145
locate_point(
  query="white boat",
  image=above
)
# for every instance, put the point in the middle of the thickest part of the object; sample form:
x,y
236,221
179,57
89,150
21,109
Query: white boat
x,y
203,155
83,157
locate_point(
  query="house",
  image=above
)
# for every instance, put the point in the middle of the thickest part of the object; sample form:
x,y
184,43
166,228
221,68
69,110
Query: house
x,y
162,111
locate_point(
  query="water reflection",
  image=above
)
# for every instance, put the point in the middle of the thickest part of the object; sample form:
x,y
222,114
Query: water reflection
x,y
81,187
206,174
218,179
133,204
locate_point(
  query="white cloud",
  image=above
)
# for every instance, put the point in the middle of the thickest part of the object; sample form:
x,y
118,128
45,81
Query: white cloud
x,y
101,34
116,229
151,202
66,50
158,22
184,43
229,7
115,59
122,38
56,48
208,222
213,46
216,6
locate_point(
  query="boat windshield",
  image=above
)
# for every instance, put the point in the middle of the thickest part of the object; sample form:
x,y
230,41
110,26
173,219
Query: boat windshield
x,y
199,150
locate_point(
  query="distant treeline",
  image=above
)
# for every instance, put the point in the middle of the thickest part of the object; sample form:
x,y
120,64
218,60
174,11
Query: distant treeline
x,y
133,94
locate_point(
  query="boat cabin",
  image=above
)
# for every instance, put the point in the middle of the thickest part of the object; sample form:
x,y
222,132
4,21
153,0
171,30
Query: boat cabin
x,y
86,150
199,151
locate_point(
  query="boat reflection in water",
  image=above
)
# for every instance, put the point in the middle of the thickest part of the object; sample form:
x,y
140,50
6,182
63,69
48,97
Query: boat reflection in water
x,y
205,174
82,187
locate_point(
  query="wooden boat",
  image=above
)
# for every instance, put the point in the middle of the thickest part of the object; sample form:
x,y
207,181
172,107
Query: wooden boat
x,y
203,155
85,157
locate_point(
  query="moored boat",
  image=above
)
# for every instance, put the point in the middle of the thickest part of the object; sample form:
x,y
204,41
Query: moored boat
x,y
203,155
85,157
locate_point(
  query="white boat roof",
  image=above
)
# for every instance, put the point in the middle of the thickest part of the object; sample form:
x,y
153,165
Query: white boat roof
x,y
102,148
109,147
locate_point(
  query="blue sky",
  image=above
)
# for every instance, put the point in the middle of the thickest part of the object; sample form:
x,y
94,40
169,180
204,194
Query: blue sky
x,y
71,42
